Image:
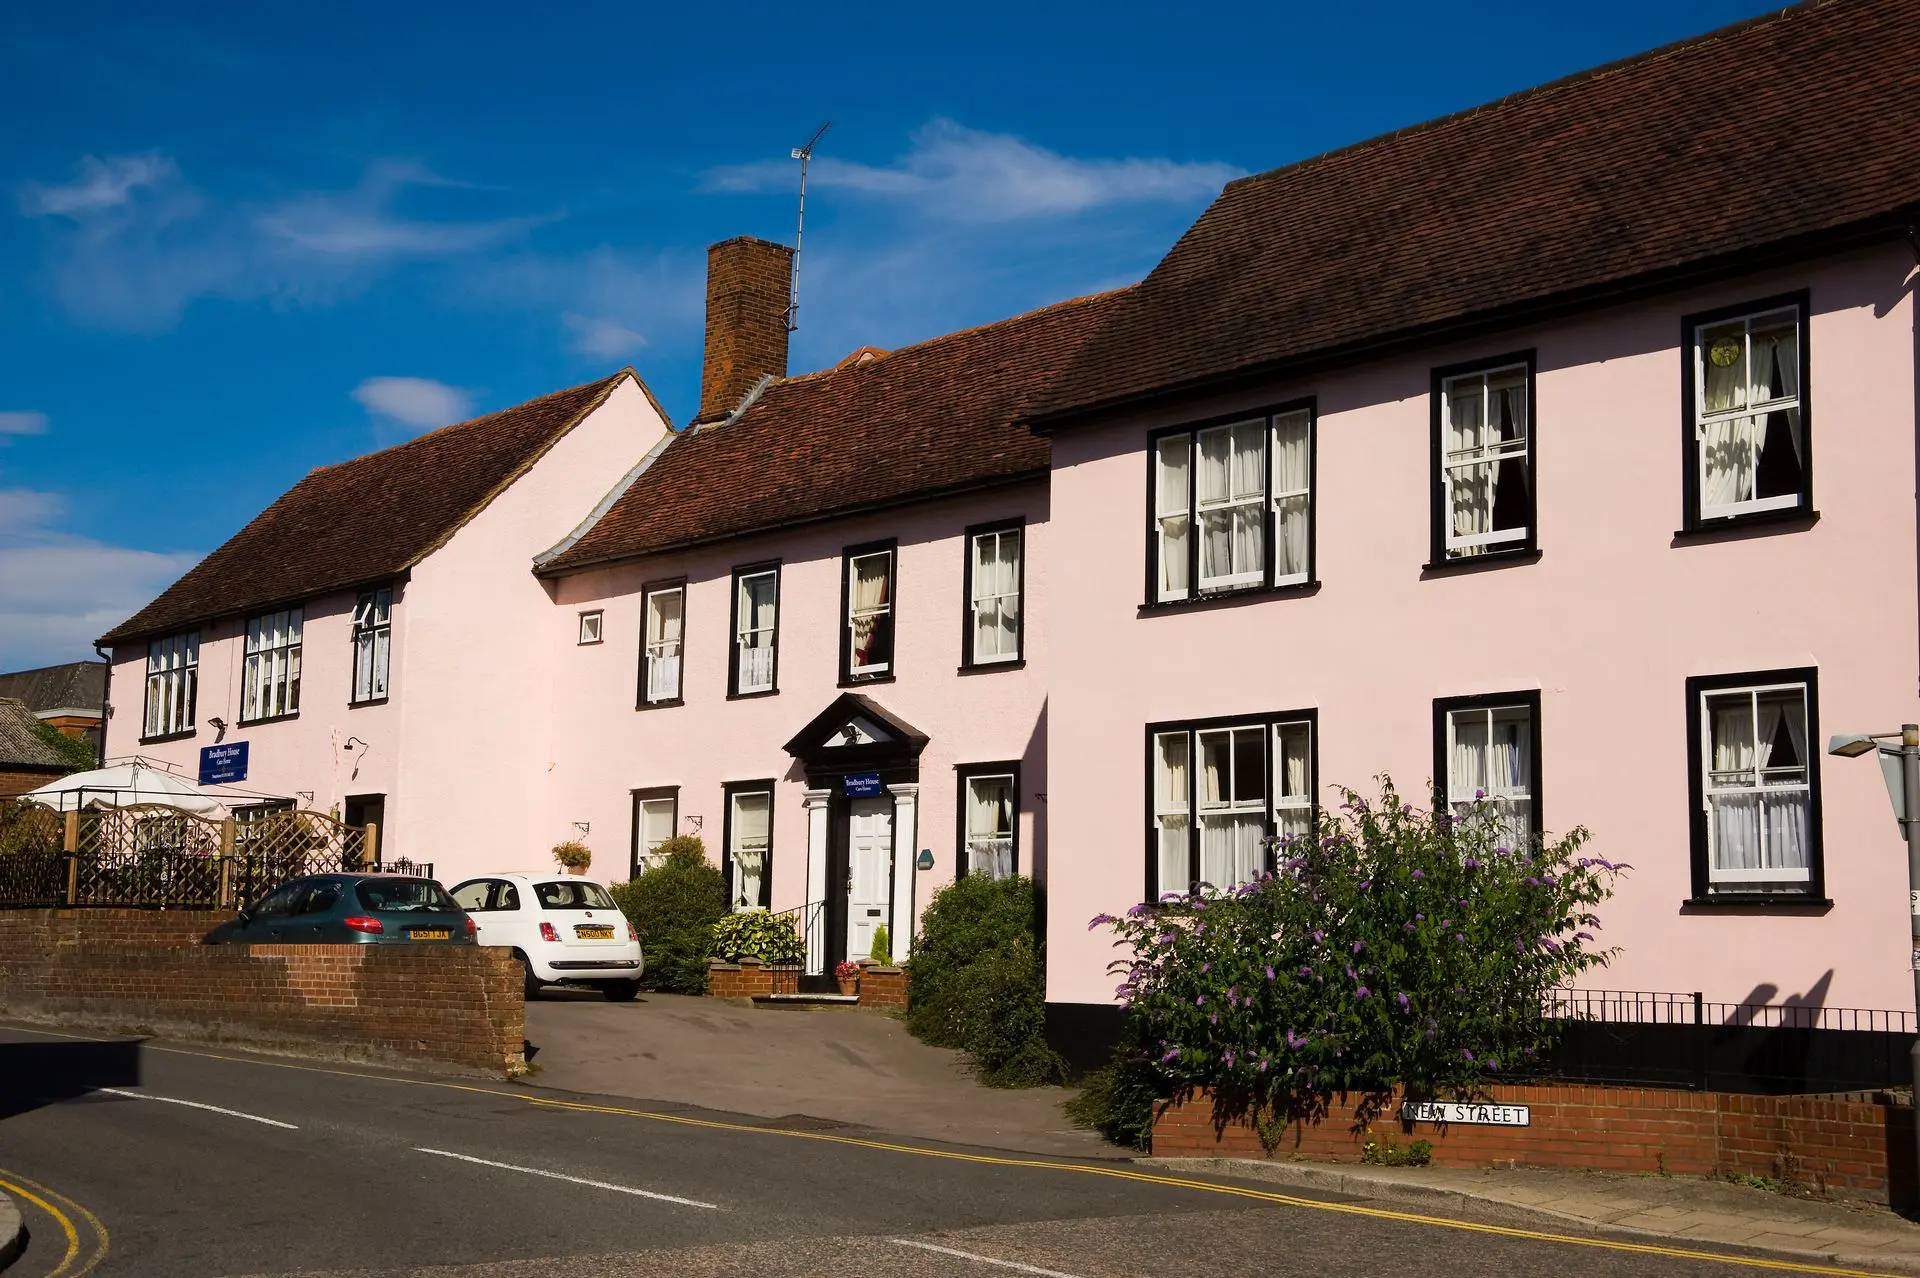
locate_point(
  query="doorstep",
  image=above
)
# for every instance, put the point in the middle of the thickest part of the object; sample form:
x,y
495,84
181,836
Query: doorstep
x,y
805,1002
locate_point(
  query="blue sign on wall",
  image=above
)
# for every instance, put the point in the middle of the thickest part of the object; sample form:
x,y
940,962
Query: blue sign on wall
x,y
861,785
223,764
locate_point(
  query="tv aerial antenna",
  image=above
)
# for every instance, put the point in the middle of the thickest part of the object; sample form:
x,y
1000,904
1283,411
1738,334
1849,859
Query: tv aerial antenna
x,y
802,154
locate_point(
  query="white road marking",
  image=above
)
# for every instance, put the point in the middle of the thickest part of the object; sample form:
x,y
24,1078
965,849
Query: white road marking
x,y
572,1180
985,1260
212,1109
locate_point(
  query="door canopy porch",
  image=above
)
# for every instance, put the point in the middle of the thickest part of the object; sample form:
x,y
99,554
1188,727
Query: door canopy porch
x,y
857,734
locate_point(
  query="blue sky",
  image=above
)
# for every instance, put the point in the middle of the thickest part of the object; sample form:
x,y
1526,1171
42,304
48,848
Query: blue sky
x,y
237,242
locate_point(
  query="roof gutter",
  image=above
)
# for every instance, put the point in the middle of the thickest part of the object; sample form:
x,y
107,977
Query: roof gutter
x,y
1799,248
843,512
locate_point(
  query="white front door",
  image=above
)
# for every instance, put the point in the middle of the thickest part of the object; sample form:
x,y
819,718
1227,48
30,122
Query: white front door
x,y
869,862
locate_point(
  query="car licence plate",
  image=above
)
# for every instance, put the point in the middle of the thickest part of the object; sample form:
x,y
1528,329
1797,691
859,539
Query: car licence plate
x,y
428,933
593,931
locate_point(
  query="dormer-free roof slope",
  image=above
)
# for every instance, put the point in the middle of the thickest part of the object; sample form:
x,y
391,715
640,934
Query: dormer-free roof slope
x,y
1778,135
919,422
370,518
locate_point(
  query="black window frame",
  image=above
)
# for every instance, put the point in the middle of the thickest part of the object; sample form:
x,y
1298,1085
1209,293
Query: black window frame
x,y
727,792
647,591
733,629
1527,549
969,663
649,794
1691,521
963,775
1444,706
599,618
891,546
1267,720
354,631
1703,897
1195,596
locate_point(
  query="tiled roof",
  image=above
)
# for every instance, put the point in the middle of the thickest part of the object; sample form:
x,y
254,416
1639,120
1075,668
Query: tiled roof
x,y
78,685
20,743
1782,131
369,518
913,423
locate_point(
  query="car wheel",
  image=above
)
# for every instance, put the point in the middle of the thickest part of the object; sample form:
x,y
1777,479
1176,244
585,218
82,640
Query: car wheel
x,y
529,982
620,991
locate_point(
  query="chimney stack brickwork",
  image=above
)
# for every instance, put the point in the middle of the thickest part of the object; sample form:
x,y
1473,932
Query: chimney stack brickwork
x,y
749,285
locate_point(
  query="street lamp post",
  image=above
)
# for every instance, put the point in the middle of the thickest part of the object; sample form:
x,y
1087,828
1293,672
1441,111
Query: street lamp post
x,y
1901,768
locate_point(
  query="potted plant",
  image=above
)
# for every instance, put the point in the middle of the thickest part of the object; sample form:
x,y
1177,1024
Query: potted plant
x,y
573,855
848,974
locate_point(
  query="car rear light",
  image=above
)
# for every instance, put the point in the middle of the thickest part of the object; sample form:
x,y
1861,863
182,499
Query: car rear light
x,y
631,934
547,933
472,927
364,923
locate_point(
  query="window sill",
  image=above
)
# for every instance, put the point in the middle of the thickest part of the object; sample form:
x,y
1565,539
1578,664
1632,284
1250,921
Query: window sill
x,y
272,718
171,736
1229,598
1480,563
861,681
371,701
1755,900
990,667
753,696
1733,527
660,705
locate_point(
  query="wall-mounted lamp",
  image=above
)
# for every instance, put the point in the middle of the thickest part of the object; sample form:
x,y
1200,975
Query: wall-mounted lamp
x,y
219,728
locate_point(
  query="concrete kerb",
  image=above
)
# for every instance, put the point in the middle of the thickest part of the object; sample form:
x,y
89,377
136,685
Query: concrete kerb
x,y
13,1231
1396,1185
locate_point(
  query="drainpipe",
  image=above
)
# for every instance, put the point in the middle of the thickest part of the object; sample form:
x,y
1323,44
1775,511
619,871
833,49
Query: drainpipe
x,y
106,702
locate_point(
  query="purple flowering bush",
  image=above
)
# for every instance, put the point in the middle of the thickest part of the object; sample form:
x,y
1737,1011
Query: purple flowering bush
x,y
1393,946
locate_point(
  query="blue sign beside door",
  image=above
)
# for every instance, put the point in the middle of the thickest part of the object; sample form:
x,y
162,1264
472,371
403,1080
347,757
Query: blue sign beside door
x,y
223,764
862,785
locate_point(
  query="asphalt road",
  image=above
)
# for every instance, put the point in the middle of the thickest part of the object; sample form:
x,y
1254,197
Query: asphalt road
x,y
157,1160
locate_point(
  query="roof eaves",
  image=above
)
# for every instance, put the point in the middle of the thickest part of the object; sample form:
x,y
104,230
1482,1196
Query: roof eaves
x,y
1903,221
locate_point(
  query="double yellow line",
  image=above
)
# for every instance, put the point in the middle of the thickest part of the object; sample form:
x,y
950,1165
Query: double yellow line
x,y
58,1206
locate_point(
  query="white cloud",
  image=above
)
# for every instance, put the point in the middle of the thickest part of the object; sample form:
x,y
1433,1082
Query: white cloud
x,y
58,593
413,401
602,337
968,175
136,243
22,423
101,184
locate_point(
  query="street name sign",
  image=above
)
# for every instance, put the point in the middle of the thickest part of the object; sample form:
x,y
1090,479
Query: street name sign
x,y
1466,1112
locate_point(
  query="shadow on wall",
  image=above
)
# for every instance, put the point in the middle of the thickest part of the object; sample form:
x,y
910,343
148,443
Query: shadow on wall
x,y
36,1074
1752,1010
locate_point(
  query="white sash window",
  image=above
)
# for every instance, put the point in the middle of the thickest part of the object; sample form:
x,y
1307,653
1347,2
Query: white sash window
x,y
756,605
1292,780
1490,764
1486,466
1172,813
993,609
1221,794
869,614
990,816
1757,789
173,676
749,840
372,643
665,619
1232,506
270,683
1749,424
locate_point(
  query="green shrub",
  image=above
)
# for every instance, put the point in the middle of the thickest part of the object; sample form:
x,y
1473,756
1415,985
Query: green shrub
x,y
1117,1099
1418,1154
978,983
673,906
1395,947
77,753
881,949
771,938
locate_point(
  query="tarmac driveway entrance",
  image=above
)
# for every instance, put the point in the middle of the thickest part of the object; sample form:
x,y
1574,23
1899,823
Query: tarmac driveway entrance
x,y
839,1066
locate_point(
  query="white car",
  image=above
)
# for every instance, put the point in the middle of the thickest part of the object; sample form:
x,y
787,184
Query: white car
x,y
564,929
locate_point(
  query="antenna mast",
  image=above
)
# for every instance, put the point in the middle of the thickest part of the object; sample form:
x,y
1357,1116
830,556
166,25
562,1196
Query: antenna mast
x,y
802,154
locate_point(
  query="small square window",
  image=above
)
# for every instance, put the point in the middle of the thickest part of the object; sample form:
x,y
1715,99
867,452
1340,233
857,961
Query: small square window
x,y
590,623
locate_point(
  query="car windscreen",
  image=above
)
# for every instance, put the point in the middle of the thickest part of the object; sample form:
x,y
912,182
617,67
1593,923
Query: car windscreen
x,y
573,896
404,896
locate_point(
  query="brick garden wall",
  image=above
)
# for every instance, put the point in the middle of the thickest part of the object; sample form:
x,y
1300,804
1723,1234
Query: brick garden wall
x,y
884,987
455,1007
1842,1146
751,977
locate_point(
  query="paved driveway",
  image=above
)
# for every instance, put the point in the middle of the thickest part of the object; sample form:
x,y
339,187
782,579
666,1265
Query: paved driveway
x,y
840,1066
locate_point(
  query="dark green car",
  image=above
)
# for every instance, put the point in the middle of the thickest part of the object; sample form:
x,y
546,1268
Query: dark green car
x,y
351,909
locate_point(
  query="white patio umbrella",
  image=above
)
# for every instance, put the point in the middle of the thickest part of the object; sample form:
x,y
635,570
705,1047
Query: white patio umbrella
x,y
123,785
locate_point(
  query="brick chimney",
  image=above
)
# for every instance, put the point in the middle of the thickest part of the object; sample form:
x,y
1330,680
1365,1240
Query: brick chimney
x,y
748,286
